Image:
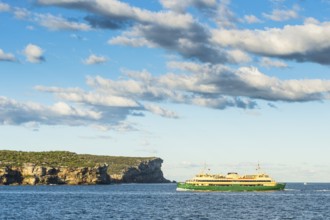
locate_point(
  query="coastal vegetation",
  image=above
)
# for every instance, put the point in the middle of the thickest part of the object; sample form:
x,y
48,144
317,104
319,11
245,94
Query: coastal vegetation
x,y
65,158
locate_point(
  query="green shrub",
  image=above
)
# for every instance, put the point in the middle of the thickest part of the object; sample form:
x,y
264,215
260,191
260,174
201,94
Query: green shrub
x,y
69,159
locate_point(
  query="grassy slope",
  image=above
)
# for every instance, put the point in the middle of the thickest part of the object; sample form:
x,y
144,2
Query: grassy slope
x,y
65,158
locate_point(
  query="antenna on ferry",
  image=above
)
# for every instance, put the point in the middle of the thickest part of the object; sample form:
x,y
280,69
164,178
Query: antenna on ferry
x,y
205,169
258,167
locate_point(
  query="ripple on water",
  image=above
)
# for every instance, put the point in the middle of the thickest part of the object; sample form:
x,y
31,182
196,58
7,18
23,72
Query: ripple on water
x,y
162,201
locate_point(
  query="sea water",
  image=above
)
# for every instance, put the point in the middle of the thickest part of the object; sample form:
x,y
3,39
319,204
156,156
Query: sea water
x,y
162,201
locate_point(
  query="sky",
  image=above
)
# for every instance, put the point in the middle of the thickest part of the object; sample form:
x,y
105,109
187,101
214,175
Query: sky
x,y
222,84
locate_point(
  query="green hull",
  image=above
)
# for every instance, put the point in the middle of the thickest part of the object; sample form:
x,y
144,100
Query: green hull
x,y
233,188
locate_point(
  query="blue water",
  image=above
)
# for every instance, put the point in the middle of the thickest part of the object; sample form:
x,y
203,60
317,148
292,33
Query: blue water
x,y
161,201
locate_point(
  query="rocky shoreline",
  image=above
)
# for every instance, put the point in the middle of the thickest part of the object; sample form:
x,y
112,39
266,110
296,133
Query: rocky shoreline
x,y
146,171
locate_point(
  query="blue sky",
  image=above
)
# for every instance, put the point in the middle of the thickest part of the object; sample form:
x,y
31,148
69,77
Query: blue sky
x,y
225,83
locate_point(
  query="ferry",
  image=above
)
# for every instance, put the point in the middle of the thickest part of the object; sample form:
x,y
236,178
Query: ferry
x,y
231,182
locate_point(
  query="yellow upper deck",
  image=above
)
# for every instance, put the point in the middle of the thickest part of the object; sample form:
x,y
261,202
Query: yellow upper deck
x,y
232,178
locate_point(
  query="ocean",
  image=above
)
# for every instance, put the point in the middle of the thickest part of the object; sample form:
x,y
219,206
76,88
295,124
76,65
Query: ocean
x,y
162,201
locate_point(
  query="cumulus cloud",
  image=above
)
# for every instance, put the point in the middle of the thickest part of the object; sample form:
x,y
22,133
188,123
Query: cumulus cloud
x,y
34,115
22,13
131,41
185,66
249,82
108,102
7,56
94,59
182,34
192,42
113,10
267,62
213,86
283,15
307,42
4,7
59,23
160,111
238,56
180,6
141,92
225,18
178,32
101,22
33,53
16,113
251,19
51,22
80,96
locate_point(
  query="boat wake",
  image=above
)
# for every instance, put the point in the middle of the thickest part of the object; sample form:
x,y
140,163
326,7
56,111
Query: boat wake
x,y
183,190
323,190
292,190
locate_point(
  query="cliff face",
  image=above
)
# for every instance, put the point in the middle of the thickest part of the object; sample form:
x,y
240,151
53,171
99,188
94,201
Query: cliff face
x,y
29,174
62,167
148,171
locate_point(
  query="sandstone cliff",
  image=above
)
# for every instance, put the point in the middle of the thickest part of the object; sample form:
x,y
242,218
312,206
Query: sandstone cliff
x,y
31,168
148,171
30,174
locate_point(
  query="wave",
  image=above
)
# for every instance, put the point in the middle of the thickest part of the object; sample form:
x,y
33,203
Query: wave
x,y
322,190
292,190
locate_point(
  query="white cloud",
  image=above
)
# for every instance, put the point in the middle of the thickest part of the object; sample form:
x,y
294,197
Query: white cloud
x,y
22,13
33,115
4,7
49,21
214,84
59,23
267,62
114,9
251,19
7,56
186,66
160,111
190,42
131,41
94,59
16,113
308,42
64,109
283,15
225,18
238,56
108,103
178,32
33,53
79,96
311,20
180,6
246,82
